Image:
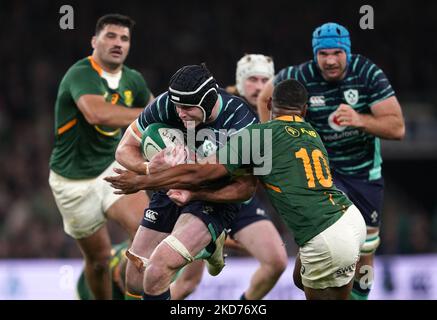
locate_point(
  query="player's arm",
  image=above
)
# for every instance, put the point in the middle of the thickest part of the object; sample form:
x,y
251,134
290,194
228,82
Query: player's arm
x,y
99,112
144,95
128,152
263,100
385,121
185,176
239,190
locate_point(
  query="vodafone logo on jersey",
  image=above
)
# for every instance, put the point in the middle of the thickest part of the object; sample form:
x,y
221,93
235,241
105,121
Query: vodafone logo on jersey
x,y
334,124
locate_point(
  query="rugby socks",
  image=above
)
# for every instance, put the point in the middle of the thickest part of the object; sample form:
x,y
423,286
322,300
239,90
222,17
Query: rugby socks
x,y
163,296
358,293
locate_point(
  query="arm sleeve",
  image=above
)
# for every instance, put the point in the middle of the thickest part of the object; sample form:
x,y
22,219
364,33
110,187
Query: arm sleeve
x,y
159,110
84,81
143,92
379,87
241,118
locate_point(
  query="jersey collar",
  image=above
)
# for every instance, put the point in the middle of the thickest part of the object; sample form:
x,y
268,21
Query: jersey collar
x,y
289,118
95,66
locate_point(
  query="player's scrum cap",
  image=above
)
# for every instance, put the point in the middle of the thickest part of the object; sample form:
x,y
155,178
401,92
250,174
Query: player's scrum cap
x,y
253,65
194,85
330,36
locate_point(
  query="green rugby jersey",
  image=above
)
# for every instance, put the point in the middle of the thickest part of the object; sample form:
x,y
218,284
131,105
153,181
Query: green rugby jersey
x,y
299,185
81,150
352,152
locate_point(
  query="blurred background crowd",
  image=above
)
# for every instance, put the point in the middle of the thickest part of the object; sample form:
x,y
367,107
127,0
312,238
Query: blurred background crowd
x,y
36,53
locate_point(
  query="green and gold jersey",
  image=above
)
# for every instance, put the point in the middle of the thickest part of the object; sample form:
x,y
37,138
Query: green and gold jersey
x,y
83,150
299,184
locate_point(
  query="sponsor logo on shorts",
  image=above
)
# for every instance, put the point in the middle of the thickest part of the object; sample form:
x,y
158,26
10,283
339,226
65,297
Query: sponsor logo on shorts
x,y
350,268
302,269
151,215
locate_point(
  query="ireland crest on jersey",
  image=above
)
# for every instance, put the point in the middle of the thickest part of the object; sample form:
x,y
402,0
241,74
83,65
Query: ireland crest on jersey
x,y
351,96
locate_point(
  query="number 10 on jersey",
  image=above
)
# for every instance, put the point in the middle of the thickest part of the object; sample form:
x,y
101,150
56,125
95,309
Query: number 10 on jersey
x,y
318,160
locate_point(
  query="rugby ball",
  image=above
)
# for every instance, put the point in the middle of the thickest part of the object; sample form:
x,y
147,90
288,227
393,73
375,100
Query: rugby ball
x,y
159,136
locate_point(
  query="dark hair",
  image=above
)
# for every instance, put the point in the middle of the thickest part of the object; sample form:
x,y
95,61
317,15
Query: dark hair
x,y
290,94
189,78
116,19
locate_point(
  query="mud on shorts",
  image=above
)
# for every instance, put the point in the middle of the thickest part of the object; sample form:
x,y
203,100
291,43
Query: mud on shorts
x,y
251,212
366,195
162,214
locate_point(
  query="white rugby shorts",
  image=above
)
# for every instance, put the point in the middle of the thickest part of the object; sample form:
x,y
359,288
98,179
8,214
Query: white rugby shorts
x,y
83,203
329,259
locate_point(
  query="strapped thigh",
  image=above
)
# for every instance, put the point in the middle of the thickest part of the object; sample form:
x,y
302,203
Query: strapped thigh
x,y
371,243
179,247
139,262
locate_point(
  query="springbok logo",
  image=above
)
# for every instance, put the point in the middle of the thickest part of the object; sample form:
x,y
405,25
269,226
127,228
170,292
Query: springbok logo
x,y
292,131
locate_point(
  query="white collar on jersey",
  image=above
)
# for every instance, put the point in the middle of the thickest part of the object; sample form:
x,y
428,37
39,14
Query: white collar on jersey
x,y
112,78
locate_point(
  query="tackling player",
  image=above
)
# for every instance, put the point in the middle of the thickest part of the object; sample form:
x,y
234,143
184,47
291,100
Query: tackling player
x,y
328,228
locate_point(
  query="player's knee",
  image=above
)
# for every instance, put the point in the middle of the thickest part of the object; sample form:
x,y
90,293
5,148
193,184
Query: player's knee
x,y
277,264
281,263
277,269
134,279
98,263
156,270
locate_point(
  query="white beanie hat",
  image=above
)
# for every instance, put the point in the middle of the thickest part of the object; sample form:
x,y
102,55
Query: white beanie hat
x,y
253,65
